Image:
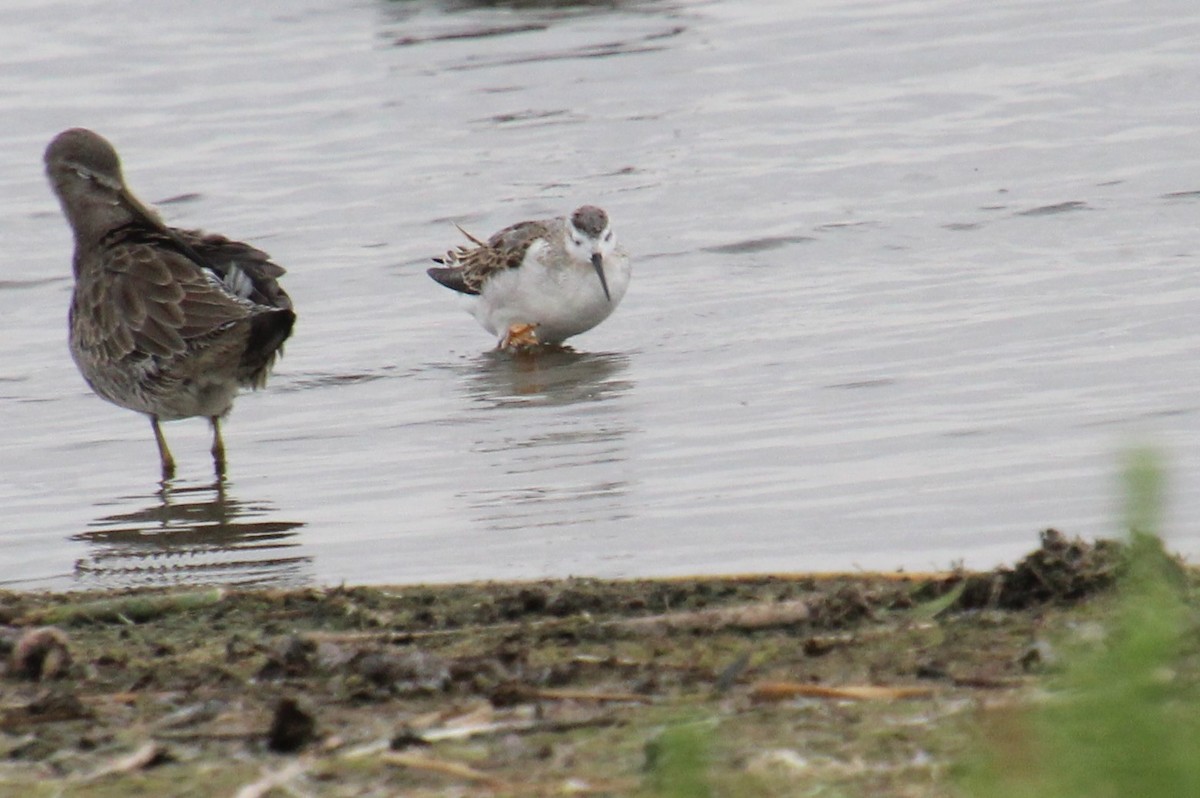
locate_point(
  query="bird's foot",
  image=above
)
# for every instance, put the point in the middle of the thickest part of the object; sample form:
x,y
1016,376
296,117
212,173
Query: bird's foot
x,y
519,337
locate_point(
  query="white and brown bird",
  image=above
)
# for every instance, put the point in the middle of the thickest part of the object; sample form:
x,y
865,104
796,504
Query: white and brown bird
x,y
540,282
167,322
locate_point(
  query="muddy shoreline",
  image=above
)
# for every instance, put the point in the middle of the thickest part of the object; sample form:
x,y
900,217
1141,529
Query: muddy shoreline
x,y
863,683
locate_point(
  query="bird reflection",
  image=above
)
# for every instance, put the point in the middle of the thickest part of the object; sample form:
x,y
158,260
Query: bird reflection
x,y
189,534
651,26
555,376
563,462
398,11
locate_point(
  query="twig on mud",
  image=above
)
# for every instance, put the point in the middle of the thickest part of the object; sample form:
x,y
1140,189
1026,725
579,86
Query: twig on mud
x,y
466,772
561,726
550,694
638,664
444,767
215,736
987,682
782,691
467,732
125,697
440,734
391,637
147,755
746,617
272,779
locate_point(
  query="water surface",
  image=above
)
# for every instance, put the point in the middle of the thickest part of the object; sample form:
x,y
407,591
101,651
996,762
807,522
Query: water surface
x,y
908,276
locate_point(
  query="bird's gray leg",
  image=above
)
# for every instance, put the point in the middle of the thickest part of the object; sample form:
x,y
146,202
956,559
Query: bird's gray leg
x,y
164,453
218,447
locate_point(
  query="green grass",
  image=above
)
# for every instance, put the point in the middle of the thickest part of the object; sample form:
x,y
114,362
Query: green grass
x,y
677,761
1118,720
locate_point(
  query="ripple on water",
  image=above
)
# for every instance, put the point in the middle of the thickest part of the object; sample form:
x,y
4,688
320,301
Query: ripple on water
x,y
865,328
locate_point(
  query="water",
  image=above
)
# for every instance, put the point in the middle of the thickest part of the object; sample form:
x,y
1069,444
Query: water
x,y
908,277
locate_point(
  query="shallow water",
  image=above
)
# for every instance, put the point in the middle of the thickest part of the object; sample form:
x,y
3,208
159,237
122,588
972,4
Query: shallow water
x,y
908,278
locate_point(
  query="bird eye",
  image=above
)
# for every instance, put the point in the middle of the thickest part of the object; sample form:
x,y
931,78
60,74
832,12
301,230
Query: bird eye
x,y
608,236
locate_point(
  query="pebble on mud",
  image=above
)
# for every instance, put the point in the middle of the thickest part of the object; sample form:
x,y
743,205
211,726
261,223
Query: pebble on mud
x,y
292,727
41,653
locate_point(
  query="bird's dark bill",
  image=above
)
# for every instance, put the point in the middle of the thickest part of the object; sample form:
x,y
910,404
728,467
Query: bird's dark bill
x,y
598,265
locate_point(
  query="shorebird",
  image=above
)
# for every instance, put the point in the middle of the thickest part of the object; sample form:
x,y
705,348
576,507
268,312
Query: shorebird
x,y
540,282
163,321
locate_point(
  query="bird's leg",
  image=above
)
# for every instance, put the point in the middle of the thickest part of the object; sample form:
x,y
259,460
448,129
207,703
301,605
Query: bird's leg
x,y
519,336
218,447
164,454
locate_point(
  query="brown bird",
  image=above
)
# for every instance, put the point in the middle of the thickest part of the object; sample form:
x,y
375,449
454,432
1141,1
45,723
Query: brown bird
x,y
163,321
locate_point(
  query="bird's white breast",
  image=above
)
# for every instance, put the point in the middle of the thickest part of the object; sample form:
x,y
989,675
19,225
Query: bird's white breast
x,y
562,296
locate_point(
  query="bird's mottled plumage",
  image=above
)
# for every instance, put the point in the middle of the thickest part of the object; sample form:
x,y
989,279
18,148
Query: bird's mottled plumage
x,y
163,321
470,267
556,277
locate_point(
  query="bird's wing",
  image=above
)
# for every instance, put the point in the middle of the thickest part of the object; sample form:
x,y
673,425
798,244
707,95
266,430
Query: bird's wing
x,y
452,277
469,267
247,271
145,300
